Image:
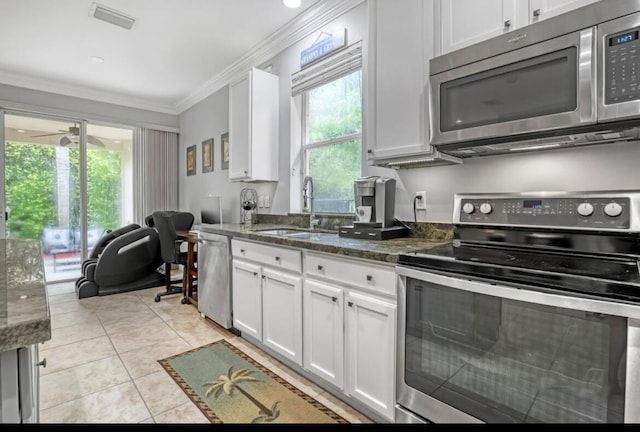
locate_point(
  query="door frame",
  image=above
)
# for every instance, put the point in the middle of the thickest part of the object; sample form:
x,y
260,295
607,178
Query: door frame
x,y
3,201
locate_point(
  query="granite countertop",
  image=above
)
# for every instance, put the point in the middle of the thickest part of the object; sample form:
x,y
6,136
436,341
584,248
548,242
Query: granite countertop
x,y
378,250
24,307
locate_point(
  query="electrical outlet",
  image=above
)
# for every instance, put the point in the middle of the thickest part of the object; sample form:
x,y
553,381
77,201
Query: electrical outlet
x,y
267,201
421,203
260,202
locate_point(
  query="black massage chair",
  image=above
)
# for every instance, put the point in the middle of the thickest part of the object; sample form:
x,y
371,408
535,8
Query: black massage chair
x,y
125,259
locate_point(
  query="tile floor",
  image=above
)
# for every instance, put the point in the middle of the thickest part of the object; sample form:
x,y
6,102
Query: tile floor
x,y
102,359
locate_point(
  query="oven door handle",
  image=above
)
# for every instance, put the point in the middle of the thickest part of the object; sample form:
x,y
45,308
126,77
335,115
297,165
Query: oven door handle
x,y
513,293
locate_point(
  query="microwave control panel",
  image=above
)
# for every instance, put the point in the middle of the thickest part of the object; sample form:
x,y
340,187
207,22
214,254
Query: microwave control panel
x,y
566,212
622,67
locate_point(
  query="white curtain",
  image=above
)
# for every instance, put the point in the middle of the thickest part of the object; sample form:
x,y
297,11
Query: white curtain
x,y
155,158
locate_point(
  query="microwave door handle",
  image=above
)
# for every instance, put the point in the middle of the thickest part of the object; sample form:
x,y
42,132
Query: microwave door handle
x,y
587,76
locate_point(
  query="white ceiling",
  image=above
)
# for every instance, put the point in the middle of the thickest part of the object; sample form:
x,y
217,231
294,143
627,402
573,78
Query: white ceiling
x,y
164,63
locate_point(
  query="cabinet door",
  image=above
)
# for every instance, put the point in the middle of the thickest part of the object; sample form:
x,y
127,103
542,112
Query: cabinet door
x,y
9,387
370,347
239,129
323,331
465,22
400,48
265,126
19,385
247,298
543,9
282,313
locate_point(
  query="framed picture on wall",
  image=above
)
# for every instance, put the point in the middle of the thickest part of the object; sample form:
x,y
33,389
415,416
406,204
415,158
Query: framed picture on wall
x,y
191,160
207,155
224,149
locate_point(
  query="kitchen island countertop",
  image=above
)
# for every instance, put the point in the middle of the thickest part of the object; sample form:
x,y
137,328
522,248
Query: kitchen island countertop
x,y
378,250
24,307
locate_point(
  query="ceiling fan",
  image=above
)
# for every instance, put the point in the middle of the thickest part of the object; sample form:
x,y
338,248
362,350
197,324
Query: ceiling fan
x,y
72,135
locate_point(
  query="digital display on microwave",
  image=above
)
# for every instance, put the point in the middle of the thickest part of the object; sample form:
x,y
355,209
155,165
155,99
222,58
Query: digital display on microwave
x,y
532,204
626,37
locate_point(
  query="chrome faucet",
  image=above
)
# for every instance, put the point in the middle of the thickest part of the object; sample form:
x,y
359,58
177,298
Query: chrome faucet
x,y
307,195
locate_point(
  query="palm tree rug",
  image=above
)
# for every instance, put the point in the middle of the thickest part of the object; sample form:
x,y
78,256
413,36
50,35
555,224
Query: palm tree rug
x,y
231,387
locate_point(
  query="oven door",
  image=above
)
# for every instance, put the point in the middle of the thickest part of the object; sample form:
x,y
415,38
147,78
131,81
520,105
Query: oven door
x,y
546,86
473,351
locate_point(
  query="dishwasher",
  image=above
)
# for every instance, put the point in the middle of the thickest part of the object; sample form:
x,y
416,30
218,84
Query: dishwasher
x,y
214,283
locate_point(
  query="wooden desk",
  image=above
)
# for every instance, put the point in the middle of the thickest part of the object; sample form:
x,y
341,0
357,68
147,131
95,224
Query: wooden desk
x,y
192,270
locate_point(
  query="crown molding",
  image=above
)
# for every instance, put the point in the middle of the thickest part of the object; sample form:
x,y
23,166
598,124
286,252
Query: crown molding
x,y
77,91
317,16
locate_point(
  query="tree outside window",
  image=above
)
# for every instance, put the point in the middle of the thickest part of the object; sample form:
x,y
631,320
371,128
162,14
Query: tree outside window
x,y
333,137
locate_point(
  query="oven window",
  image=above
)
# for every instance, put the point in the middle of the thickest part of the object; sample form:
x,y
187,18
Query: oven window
x,y
501,360
544,85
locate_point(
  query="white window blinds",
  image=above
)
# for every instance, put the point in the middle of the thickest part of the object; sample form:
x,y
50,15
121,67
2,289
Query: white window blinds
x,y
335,66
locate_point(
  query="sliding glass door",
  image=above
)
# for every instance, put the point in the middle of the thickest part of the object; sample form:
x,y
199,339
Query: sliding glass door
x,y
109,180
61,191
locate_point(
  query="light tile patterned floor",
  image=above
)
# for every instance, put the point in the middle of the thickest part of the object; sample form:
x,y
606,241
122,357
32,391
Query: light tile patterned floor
x,y
102,359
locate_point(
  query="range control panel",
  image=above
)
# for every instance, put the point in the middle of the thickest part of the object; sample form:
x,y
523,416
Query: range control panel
x,y
584,212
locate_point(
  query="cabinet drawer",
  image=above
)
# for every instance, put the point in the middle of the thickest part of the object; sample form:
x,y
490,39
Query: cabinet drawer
x,y
370,276
273,256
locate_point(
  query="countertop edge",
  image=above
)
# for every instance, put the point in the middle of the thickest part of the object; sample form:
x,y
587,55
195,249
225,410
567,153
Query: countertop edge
x,y
25,334
352,251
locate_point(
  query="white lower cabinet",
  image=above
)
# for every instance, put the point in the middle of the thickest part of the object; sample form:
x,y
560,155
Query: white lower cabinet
x,y
267,296
323,331
282,313
247,298
370,352
20,385
349,333
334,316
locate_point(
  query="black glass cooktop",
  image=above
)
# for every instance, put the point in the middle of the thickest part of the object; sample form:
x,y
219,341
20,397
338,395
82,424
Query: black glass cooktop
x,y
612,276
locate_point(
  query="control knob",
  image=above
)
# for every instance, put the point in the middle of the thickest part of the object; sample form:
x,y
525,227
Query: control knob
x,y
485,208
613,209
468,208
585,209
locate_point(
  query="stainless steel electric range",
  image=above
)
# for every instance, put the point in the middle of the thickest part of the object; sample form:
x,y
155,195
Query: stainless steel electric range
x,y
532,314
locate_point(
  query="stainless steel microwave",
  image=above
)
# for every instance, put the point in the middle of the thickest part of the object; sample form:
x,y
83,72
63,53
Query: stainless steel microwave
x,y
571,80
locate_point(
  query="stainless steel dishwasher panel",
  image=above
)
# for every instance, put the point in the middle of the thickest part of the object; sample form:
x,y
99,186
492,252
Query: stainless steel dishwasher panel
x,y
214,283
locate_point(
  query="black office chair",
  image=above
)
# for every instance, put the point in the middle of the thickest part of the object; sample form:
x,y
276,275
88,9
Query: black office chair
x,y
167,223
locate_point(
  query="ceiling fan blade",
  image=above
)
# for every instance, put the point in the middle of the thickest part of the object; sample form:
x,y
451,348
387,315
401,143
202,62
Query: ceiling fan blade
x,y
51,134
64,141
95,141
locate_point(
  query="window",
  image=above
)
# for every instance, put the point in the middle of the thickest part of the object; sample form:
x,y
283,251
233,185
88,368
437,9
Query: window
x,y
333,128
331,117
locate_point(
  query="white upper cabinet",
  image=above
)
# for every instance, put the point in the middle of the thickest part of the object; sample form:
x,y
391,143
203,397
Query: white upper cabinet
x,y
254,127
400,47
465,22
543,9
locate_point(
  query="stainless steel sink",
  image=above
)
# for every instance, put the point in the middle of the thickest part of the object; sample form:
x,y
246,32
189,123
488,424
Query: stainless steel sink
x,y
295,233
280,232
308,235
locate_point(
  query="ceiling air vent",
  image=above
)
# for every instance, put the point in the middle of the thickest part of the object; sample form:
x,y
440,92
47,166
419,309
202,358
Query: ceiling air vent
x,y
111,16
